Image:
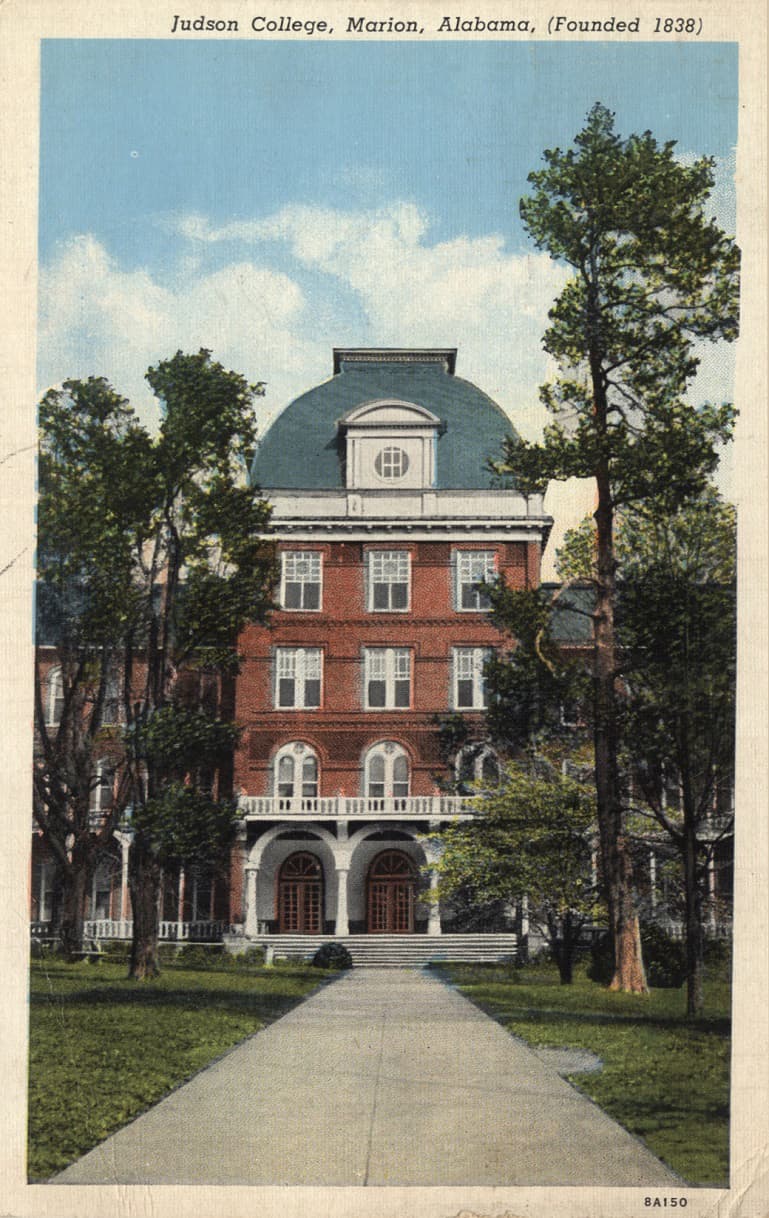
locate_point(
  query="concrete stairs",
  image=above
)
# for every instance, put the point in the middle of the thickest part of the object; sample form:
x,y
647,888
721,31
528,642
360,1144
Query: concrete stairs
x,y
389,951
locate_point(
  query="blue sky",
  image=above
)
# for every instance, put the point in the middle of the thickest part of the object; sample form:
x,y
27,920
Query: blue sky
x,y
273,199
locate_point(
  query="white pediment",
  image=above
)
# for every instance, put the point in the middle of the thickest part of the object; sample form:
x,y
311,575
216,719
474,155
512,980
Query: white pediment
x,y
389,412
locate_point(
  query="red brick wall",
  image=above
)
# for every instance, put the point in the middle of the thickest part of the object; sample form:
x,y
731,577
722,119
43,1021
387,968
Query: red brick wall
x,y
341,731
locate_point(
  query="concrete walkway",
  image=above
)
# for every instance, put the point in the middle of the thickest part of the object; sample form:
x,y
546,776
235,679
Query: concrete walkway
x,y
384,1077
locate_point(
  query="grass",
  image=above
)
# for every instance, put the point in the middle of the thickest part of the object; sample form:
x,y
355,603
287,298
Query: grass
x,y
103,1048
664,1078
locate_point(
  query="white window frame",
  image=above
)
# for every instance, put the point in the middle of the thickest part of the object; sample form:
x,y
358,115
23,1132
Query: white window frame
x,y
387,664
393,461
468,664
291,558
390,753
298,754
466,577
96,802
300,665
479,754
54,695
378,575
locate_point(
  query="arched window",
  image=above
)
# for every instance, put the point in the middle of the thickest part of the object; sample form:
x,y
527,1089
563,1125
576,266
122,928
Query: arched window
x,y
102,789
476,764
54,707
296,777
386,776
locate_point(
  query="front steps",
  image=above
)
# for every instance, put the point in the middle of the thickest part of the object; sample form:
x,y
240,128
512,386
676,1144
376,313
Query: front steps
x,y
388,951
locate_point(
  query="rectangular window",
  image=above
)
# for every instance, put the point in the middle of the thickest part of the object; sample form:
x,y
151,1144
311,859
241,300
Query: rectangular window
x,y
469,684
102,788
301,579
387,678
473,567
388,580
298,676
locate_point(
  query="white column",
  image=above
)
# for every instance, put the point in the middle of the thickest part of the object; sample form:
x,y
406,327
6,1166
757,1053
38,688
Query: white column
x,y
653,880
180,906
524,915
342,920
125,846
711,913
433,909
252,923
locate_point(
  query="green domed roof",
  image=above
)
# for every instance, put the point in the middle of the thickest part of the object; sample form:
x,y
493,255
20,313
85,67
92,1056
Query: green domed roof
x,y
304,447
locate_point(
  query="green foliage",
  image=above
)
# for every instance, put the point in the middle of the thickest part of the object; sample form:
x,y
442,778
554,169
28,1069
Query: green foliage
x,y
197,955
151,561
252,957
664,1078
102,1050
530,835
177,740
333,956
181,823
651,275
664,959
533,836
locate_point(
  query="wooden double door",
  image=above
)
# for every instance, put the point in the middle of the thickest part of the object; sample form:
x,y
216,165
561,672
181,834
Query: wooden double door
x,y
300,895
391,894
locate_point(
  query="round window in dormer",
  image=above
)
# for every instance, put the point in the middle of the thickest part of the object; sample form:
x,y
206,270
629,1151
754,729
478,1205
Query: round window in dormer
x,y
391,463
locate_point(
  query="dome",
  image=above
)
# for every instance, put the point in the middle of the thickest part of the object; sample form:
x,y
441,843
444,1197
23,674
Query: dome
x,y
305,446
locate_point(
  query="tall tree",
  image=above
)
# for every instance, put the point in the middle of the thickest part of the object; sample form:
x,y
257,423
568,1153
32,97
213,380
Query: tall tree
x,y
92,491
202,571
152,559
651,276
677,633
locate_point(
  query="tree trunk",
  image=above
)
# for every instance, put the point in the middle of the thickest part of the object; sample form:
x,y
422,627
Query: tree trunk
x,y
563,950
695,937
617,864
74,881
144,878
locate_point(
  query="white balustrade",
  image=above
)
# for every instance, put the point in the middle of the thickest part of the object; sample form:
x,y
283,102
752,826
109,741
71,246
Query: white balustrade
x,y
169,931
428,807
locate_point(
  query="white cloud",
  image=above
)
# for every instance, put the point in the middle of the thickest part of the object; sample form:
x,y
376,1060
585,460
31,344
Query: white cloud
x,y
271,297
96,318
467,292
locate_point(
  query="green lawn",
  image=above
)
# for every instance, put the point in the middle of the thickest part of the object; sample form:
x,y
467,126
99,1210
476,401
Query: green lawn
x,y
103,1048
663,1078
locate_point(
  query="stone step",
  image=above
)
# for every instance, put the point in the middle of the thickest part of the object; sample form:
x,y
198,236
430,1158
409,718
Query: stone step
x,y
390,950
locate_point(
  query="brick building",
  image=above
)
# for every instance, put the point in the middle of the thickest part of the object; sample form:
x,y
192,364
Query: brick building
x,y
386,518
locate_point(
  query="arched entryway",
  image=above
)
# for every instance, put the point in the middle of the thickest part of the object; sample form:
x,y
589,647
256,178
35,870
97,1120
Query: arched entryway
x,y
391,894
300,895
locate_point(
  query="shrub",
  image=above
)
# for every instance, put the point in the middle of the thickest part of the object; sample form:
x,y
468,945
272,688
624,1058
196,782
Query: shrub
x,y
252,957
601,967
332,955
116,950
664,959
196,955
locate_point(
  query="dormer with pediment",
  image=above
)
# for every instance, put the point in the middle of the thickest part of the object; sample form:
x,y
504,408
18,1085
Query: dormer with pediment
x,y
390,444
393,444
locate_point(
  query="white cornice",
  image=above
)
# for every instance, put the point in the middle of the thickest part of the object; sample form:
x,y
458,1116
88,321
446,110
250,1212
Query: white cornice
x,y
395,355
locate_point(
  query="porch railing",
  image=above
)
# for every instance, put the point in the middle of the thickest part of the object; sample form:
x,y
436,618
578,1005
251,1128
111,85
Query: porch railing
x,y
170,932
429,807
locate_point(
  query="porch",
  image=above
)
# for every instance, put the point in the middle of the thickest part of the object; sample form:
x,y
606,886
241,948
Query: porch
x,y
107,929
354,807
